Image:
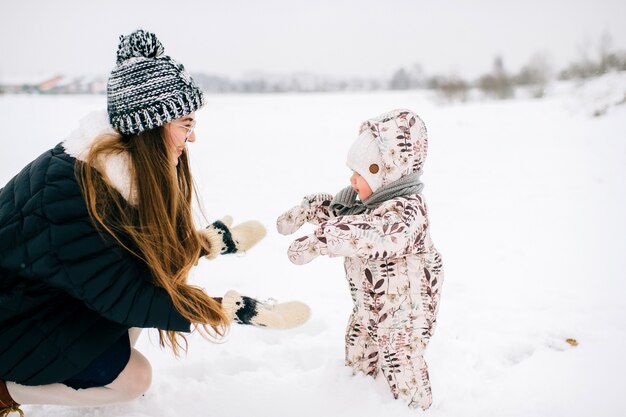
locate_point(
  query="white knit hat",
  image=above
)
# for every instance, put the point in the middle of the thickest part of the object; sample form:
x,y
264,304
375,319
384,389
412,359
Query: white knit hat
x,y
365,159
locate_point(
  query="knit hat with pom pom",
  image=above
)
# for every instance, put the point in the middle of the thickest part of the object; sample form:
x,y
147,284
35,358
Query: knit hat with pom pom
x,y
147,89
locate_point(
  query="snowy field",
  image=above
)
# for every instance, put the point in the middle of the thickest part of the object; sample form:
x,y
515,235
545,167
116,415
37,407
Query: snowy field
x,y
527,201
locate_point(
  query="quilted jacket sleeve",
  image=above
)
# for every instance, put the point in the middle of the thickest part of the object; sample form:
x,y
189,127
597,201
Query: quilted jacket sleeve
x,y
396,228
50,238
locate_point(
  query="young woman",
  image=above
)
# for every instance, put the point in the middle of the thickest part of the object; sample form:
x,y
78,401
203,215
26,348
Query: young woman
x,y
97,240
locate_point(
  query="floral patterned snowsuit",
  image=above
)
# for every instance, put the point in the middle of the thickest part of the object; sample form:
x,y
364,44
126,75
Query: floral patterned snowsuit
x,y
394,271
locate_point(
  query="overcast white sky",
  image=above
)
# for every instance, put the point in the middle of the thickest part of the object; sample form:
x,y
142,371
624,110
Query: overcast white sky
x,y
340,37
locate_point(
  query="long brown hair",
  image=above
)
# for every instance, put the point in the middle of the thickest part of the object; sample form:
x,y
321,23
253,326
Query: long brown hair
x,y
159,229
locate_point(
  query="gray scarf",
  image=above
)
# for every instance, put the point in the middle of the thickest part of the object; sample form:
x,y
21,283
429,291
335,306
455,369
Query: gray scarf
x,y
346,202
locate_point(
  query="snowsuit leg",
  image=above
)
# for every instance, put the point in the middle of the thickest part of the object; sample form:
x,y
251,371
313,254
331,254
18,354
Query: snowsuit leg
x,y
403,366
394,316
361,349
406,321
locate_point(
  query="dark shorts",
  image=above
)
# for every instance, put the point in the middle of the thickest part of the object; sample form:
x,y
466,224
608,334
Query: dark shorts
x,y
105,368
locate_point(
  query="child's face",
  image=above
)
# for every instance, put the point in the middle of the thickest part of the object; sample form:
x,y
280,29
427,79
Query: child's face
x,y
360,185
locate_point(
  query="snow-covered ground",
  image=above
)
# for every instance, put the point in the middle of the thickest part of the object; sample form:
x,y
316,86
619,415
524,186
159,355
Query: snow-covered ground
x,y
527,201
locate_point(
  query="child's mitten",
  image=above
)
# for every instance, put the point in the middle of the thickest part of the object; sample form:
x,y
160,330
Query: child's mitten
x,y
303,250
221,238
291,220
246,310
314,206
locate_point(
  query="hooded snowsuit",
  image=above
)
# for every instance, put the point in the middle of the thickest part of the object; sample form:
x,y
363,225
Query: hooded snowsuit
x,y
394,271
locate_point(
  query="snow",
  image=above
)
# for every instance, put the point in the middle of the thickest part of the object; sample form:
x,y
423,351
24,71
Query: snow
x,y
527,205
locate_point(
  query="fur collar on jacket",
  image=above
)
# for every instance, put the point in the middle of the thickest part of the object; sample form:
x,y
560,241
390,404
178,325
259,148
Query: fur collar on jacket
x,y
116,167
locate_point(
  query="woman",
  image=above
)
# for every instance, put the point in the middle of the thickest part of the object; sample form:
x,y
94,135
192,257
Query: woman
x,y
97,240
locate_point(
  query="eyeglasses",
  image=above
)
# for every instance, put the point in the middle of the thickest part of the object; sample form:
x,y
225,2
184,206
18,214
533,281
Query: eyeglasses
x,y
189,128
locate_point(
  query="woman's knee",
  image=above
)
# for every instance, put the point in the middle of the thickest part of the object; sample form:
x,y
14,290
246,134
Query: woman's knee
x,y
133,335
136,377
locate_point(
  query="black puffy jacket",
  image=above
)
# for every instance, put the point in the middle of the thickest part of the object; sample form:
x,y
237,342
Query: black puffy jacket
x,y
66,292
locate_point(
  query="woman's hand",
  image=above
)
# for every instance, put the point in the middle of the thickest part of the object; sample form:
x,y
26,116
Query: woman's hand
x,y
222,238
273,315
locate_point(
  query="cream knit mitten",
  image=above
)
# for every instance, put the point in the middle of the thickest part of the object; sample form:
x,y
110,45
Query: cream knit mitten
x,y
246,310
223,238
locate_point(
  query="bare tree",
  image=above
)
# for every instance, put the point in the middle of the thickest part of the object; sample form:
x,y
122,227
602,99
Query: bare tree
x,y
586,67
536,74
400,80
451,88
498,83
404,79
610,59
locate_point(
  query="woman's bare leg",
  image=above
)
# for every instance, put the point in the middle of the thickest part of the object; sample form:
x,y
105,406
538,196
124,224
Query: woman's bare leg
x,y
132,382
133,335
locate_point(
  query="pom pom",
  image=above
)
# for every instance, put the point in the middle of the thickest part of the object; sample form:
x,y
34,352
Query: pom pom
x,y
139,44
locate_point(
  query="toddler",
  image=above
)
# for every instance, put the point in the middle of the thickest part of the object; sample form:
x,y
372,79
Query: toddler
x,y
393,269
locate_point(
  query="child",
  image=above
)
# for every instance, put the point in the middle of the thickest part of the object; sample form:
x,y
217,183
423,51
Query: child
x,y
393,269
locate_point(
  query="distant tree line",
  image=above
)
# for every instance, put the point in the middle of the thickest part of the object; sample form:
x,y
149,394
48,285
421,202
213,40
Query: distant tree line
x,y
298,82
500,83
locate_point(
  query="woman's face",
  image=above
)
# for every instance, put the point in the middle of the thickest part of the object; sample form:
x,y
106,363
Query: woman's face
x,y
360,185
178,133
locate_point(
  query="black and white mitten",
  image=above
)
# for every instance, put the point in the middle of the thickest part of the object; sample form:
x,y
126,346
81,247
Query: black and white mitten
x,y
247,310
222,238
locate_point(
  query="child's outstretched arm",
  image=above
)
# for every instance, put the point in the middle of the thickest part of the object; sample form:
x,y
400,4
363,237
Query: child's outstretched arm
x,y
314,208
396,228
